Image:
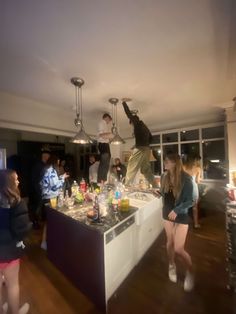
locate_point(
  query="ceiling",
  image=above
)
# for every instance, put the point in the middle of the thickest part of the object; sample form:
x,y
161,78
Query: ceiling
x,y
175,58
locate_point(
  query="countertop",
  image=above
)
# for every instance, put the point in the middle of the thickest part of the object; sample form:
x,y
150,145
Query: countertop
x,y
79,213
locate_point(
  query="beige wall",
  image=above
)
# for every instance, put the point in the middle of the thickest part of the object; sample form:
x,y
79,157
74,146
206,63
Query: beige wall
x,y
231,132
19,113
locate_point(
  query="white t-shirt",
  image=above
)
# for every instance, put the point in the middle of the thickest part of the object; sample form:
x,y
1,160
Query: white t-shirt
x,y
103,127
93,172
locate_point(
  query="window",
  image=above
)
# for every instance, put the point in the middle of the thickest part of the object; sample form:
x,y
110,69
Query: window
x,y
170,137
214,159
215,132
210,146
189,148
173,148
156,160
156,139
190,135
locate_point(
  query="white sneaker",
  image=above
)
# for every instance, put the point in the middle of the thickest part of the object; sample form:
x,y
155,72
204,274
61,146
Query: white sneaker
x,y
188,282
24,309
44,245
172,273
5,307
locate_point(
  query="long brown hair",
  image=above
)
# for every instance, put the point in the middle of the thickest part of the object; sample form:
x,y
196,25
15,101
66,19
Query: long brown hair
x,y
8,187
176,186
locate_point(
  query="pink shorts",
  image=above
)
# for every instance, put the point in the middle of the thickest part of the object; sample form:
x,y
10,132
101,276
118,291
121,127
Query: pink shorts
x,y
4,265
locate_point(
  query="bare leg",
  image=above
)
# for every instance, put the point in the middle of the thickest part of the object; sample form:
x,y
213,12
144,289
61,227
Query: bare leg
x,y
1,283
11,274
195,215
169,229
181,231
44,237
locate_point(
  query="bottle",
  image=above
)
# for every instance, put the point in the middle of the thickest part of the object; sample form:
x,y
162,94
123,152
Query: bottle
x,y
118,192
60,201
74,188
66,200
96,209
82,185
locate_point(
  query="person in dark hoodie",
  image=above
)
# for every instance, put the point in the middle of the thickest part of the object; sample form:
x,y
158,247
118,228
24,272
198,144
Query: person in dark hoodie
x,y
140,157
14,226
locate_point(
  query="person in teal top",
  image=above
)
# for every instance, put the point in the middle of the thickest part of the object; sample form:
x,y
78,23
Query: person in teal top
x,y
177,192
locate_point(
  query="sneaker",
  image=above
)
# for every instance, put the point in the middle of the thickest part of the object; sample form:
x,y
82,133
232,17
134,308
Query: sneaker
x,y
44,245
197,226
172,273
5,308
24,309
188,282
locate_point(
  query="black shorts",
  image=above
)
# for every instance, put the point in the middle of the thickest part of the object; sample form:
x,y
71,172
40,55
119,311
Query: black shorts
x,y
180,219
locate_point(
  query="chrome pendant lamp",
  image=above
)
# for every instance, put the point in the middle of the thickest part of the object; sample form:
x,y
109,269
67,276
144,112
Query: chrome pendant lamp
x,y
81,136
117,139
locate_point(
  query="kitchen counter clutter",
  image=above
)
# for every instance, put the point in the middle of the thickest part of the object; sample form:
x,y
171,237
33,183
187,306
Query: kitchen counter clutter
x,y
79,213
98,255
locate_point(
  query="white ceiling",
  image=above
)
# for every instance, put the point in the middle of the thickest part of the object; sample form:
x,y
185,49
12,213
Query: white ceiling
x,y
175,58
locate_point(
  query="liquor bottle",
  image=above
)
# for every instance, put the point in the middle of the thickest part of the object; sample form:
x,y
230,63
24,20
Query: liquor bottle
x,y
96,209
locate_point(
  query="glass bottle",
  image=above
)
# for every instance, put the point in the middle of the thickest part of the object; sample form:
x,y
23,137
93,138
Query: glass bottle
x,y
96,209
74,189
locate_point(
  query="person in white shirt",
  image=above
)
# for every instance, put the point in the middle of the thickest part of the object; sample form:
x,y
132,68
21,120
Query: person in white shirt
x,y
93,170
104,136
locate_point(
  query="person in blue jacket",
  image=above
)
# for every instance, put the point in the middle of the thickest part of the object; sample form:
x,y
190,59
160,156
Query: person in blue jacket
x,y
14,226
177,192
50,183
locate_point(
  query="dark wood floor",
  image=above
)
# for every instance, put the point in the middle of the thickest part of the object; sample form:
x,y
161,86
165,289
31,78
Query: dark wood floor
x,y
147,290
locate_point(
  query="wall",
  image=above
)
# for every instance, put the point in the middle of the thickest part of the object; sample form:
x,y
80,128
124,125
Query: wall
x,y
9,138
19,113
231,132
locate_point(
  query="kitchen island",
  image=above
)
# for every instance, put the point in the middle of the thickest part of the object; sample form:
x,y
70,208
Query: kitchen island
x,y
97,257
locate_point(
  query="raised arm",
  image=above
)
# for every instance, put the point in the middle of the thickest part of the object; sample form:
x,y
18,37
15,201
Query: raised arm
x,y
127,111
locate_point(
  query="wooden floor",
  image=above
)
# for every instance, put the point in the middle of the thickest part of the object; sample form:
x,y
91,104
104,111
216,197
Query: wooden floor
x,y
147,290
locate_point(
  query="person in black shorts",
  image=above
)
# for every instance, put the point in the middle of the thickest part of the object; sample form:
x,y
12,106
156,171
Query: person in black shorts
x,y
177,192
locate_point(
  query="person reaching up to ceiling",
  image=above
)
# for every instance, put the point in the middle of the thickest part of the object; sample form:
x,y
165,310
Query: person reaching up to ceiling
x,y
140,157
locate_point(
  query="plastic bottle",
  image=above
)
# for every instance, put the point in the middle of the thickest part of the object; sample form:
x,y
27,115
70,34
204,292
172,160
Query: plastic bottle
x,y
82,185
60,201
74,188
118,194
66,200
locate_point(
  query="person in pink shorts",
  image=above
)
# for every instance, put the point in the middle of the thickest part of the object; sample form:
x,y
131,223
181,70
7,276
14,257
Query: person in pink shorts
x,y
14,226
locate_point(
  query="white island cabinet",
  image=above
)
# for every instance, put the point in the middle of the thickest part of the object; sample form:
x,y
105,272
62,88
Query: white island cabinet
x,y
124,250
149,222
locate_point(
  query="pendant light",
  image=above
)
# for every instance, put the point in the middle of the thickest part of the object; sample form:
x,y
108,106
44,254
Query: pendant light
x,y
81,136
117,140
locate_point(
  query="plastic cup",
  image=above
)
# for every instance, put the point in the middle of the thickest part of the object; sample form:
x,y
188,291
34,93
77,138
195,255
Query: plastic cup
x,y
53,202
124,204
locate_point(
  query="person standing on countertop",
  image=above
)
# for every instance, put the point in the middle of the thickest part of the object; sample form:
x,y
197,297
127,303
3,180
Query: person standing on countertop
x,y
140,157
104,136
